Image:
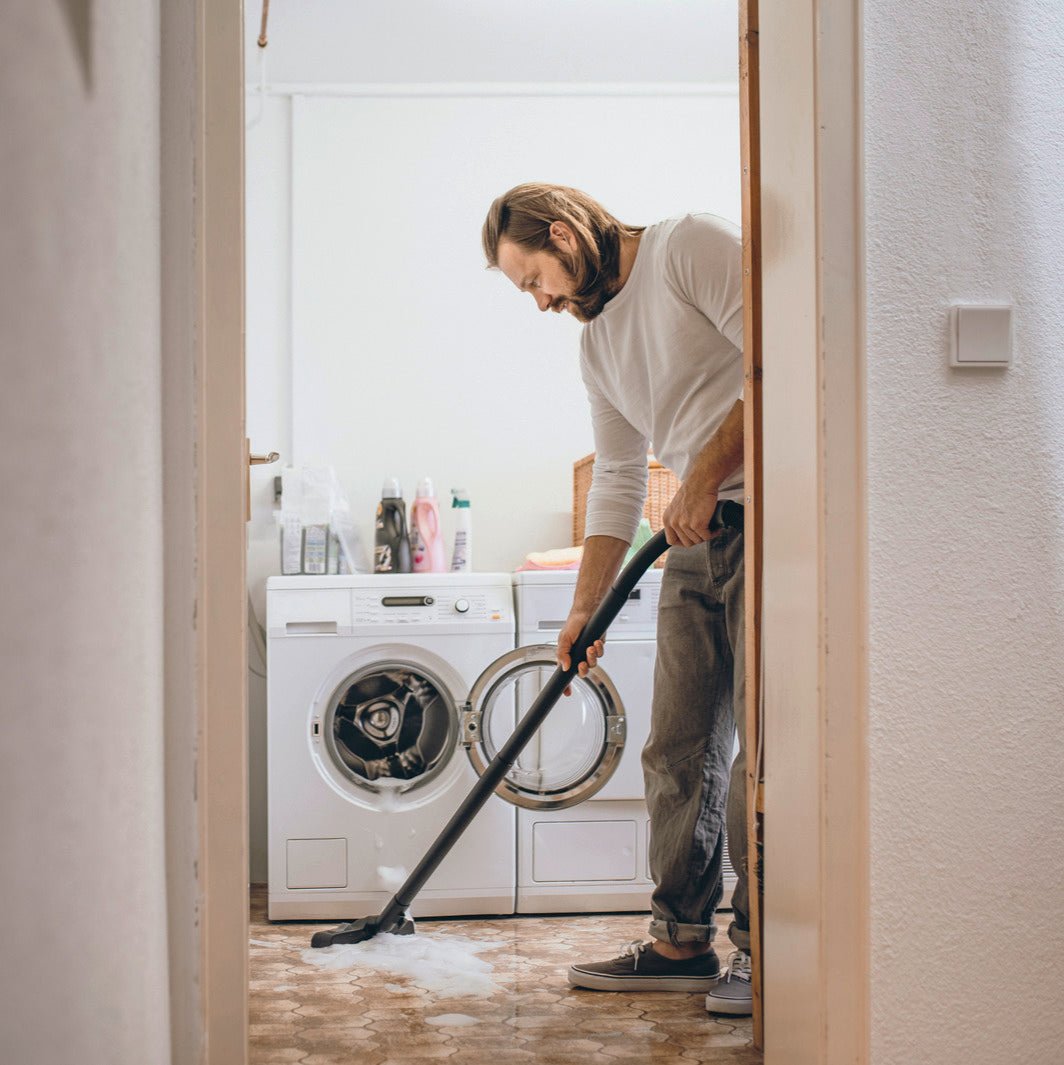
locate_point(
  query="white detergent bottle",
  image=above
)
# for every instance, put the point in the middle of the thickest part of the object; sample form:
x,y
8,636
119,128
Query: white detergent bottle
x,y
462,559
426,537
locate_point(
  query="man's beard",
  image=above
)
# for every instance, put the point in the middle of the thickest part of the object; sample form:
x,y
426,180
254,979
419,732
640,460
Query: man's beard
x,y
588,301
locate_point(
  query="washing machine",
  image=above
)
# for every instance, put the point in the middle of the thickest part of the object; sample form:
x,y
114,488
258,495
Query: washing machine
x,y
369,741
584,848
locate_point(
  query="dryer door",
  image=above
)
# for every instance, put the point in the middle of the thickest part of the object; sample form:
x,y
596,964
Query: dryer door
x,y
572,754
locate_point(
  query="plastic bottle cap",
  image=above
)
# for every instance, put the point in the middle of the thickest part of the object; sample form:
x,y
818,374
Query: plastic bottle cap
x,y
425,489
392,489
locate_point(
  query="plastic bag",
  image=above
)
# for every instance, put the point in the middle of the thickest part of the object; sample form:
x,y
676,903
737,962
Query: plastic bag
x,y
318,536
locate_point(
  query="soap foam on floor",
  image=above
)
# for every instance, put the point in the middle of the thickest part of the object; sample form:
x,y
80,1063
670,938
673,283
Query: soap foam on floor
x,y
447,966
452,1020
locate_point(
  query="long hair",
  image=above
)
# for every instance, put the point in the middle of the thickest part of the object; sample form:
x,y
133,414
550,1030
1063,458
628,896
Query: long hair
x,y
524,216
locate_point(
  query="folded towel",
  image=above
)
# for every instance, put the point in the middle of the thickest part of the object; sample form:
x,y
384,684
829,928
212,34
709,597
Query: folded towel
x,y
558,559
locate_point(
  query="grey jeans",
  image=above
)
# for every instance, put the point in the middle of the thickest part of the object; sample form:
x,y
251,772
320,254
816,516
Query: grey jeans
x,y
699,702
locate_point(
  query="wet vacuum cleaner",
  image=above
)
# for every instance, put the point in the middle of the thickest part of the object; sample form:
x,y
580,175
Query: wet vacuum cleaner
x,y
394,917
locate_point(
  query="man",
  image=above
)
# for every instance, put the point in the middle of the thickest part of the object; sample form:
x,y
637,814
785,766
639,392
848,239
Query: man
x,y
661,357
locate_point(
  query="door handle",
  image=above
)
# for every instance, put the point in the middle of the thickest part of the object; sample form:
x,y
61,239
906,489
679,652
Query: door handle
x,y
253,460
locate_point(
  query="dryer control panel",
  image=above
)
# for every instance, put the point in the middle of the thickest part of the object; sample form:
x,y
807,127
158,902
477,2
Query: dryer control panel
x,y
543,601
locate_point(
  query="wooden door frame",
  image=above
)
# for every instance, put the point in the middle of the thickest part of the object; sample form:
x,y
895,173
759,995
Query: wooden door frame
x,y
221,508
750,153
810,546
807,552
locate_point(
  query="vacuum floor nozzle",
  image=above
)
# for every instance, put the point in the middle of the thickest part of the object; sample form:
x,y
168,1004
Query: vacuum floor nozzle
x,y
359,931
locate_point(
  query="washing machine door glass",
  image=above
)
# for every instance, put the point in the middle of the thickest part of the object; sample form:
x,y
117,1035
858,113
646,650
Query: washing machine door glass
x,y
572,754
390,726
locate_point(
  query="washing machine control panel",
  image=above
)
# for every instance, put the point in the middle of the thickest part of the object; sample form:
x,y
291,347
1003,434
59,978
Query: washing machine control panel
x,y
438,606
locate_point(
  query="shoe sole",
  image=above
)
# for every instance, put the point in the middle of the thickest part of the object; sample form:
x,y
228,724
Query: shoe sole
x,y
729,1007
602,982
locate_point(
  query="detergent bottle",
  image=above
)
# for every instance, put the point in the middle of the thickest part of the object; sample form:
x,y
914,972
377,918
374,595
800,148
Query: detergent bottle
x,y
391,543
462,559
426,540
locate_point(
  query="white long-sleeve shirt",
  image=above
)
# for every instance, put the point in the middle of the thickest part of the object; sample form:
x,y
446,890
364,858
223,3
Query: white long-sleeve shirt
x,y
663,364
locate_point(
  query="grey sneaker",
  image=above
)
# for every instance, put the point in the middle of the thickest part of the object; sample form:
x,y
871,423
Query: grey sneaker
x,y
734,994
640,968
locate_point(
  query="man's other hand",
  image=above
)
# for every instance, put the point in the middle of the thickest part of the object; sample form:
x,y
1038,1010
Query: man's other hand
x,y
574,625
687,517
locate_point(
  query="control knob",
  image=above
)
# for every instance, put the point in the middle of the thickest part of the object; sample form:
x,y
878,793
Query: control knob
x,y
461,605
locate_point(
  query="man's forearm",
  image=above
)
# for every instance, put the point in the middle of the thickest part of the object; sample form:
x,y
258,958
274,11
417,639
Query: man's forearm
x,y
603,555
601,560
723,454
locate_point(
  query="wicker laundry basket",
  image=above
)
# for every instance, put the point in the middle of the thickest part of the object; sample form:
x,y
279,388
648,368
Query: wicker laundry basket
x,y
662,485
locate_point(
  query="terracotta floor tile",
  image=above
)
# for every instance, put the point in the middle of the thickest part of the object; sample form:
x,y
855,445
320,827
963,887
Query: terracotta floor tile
x,y
267,1033
267,1003
615,1024
398,1052
560,1047
302,1014
569,1059
473,1056
285,1056
408,1033
315,1014
638,1050
340,1059
723,1056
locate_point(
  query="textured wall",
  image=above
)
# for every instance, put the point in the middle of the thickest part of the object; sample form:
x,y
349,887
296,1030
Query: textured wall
x,y
83,921
180,315
964,135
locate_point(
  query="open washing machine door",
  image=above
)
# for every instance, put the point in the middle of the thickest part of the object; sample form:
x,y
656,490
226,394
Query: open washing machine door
x,y
573,753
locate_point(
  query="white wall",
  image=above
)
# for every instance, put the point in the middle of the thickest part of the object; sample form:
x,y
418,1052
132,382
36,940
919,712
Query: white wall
x,y
496,40
408,357
84,918
389,294
966,534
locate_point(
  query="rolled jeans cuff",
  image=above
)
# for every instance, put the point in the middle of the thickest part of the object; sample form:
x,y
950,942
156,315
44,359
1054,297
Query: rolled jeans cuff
x,y
675,932
740,937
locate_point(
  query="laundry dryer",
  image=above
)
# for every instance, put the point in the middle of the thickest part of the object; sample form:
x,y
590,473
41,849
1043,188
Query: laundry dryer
x,y
588,852
368,704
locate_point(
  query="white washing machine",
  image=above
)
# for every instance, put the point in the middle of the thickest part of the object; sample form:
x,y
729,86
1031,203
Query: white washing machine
x,y
590,852
368,741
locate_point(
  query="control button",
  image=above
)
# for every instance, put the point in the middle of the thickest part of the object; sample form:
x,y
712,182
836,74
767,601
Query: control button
x,y
461,605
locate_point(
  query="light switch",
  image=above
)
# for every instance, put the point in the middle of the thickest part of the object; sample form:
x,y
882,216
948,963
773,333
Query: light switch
x,y
981,334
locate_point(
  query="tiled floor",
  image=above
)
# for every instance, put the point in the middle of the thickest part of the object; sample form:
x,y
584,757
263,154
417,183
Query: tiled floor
x,y
303,1014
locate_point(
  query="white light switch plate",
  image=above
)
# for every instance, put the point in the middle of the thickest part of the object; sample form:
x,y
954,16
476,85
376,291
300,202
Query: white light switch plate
x,y
981,334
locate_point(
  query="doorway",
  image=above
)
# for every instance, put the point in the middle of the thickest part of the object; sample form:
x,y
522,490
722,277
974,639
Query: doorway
x,y
815,898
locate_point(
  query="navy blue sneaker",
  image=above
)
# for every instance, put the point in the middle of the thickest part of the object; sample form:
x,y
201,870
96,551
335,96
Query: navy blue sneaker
x,y
641,968
734,994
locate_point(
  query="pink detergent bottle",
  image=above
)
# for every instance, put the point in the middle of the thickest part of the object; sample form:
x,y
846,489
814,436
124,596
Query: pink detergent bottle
x,y
426,537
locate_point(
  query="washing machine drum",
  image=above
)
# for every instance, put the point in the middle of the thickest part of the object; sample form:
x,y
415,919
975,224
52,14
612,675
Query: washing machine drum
x,y
392,722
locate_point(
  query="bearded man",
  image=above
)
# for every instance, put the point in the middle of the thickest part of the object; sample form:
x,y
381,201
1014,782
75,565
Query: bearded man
x,y
661,358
